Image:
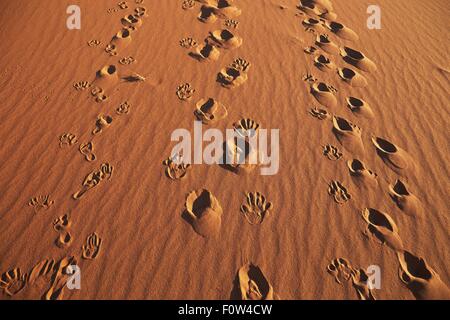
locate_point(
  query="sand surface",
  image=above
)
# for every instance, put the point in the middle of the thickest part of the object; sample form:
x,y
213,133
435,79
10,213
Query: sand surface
x,y
142,247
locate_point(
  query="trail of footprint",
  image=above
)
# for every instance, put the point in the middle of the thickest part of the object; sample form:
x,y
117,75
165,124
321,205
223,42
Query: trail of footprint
x,y
203,212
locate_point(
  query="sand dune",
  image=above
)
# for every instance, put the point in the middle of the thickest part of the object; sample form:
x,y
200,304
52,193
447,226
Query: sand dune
x,y
87,176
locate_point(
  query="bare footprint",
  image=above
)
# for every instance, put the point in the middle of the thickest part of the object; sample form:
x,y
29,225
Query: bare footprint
x,y
91,248
41,202
352,77
210,110
332,152
67,140
404,199
102,123
185,91
203,212
381,227
338,192
256,209
359,107
87,150
251,284
421,279
357,59
94,178
176,168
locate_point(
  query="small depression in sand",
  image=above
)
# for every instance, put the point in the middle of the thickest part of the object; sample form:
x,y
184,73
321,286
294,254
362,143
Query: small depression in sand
x,y
323,94
381,226
203,212
360,107
209,110
251,284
